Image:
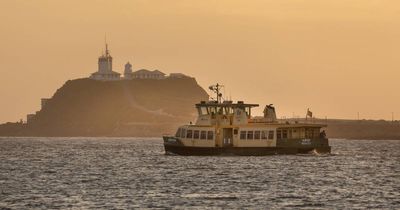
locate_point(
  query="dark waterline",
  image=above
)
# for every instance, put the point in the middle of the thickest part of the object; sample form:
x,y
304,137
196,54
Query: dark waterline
x,y
61,173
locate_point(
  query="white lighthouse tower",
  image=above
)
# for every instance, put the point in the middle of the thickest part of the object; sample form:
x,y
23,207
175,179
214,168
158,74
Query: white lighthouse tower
x,y
128,71
105,62
105,71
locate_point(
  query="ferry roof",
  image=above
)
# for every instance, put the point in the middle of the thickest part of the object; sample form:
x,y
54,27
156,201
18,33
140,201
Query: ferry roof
x,y
300,125
276,125
225,104
284,125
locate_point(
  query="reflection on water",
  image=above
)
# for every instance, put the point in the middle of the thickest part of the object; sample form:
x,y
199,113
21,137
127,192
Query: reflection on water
x,y
128,172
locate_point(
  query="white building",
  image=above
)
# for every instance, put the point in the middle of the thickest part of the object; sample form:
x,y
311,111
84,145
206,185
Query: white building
x,y
146,74
128,71
105,71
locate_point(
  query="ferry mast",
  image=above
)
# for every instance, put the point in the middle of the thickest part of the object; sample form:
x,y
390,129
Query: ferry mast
x,y
216,89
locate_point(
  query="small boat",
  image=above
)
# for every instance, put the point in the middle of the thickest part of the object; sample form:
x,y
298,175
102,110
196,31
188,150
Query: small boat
x,y
227,128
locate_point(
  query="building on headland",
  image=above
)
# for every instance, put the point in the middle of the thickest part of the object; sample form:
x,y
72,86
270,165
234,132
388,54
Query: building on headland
x,y
142,73
105,70
147,74
44,102
128,71
30,118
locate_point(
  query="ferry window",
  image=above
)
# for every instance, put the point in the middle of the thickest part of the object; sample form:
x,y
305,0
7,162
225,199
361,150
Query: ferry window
x,y
238,111
189,134
204,110
235,131
183,133
270,134
178,133
210,135
293,133
203,135
248,111
316,132
264,134
227,110
212,110
242,134
257,134
249,134
279,134
309,133
196,134
284,134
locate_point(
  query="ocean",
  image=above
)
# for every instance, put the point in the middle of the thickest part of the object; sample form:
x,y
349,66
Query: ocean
x,y
129,173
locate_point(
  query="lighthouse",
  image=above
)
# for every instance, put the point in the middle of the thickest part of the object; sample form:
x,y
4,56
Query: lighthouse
x,y
105,62
105,71
128,71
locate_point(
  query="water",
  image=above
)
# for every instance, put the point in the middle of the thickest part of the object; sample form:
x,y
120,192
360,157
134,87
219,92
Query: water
x,y
61,173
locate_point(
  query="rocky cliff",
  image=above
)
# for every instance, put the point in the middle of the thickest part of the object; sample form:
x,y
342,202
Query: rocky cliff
x,y
138,107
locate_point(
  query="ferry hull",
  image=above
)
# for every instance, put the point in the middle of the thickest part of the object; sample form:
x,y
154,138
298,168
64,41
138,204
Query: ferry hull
x,y
179,149
244,151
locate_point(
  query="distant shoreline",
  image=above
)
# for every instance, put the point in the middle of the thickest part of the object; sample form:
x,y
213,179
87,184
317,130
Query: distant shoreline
x,y
358,129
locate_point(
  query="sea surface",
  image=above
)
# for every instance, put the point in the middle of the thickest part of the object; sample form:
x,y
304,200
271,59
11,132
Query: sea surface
x,y
129,173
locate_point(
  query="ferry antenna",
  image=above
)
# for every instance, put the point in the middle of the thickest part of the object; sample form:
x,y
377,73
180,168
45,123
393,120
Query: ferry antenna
x,y
216,89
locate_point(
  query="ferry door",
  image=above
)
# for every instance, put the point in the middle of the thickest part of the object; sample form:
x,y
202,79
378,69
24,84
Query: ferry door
x,y
227,137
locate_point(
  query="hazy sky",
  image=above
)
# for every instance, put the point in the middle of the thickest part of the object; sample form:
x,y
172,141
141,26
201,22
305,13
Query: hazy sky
x,y
336,57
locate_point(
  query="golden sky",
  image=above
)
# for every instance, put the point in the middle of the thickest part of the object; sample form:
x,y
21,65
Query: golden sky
x,y
338,57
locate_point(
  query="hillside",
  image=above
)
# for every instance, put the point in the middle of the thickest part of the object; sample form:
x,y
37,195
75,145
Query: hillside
x,y
138,107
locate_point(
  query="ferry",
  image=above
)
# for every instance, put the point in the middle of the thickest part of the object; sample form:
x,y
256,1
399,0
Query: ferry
x,y
227,128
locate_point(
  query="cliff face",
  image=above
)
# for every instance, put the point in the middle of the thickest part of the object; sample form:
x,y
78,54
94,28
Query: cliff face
x,y
138,107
